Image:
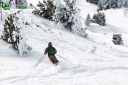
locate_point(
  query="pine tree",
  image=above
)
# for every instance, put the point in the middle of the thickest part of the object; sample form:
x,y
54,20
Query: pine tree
x,y
99,18
122,3
107,4
75,20
93,1
88,20
21,4
117,39
12,33
104,4
64,12
47,9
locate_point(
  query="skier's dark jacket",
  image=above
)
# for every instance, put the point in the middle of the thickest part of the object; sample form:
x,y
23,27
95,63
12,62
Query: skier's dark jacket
x,y
49,46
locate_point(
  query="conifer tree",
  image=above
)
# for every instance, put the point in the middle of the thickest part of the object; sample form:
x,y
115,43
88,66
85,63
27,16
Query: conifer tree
x,y
99,18
88,20
12,34
117,39
63,11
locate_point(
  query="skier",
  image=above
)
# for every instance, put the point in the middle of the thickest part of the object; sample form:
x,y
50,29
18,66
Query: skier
x,y
51,53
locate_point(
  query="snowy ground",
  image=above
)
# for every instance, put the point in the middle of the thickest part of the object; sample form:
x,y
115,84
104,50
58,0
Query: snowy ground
x,y
107,66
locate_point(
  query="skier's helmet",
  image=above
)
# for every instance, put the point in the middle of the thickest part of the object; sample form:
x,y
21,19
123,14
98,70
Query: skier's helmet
x,y
49,44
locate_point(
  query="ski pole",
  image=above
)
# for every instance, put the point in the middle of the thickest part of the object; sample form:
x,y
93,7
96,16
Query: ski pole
x,y
39,62
64,58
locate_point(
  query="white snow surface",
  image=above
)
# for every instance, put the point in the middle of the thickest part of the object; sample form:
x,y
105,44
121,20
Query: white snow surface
x,y
108,65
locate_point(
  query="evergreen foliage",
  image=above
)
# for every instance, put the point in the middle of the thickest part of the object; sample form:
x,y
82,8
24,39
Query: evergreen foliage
x,y
12,34
88,20
107,4
47,9
93,1
99,18
63,11
117,39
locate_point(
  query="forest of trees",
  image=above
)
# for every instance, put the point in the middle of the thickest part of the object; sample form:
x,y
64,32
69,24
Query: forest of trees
x,y
107,4
64,12
17,3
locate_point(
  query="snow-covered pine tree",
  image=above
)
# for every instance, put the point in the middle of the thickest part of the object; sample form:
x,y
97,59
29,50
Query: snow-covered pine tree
x,y
107,4
47,9
64,12
9,2
99,18
8,29
17,3
38,11
68,14
6,32
117,39
114,4
93,1
21,4
88,20
104,4
23,47
60,14
122,3
12,33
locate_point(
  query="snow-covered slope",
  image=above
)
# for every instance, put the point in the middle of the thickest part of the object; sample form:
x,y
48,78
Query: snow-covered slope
x,y
107,66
